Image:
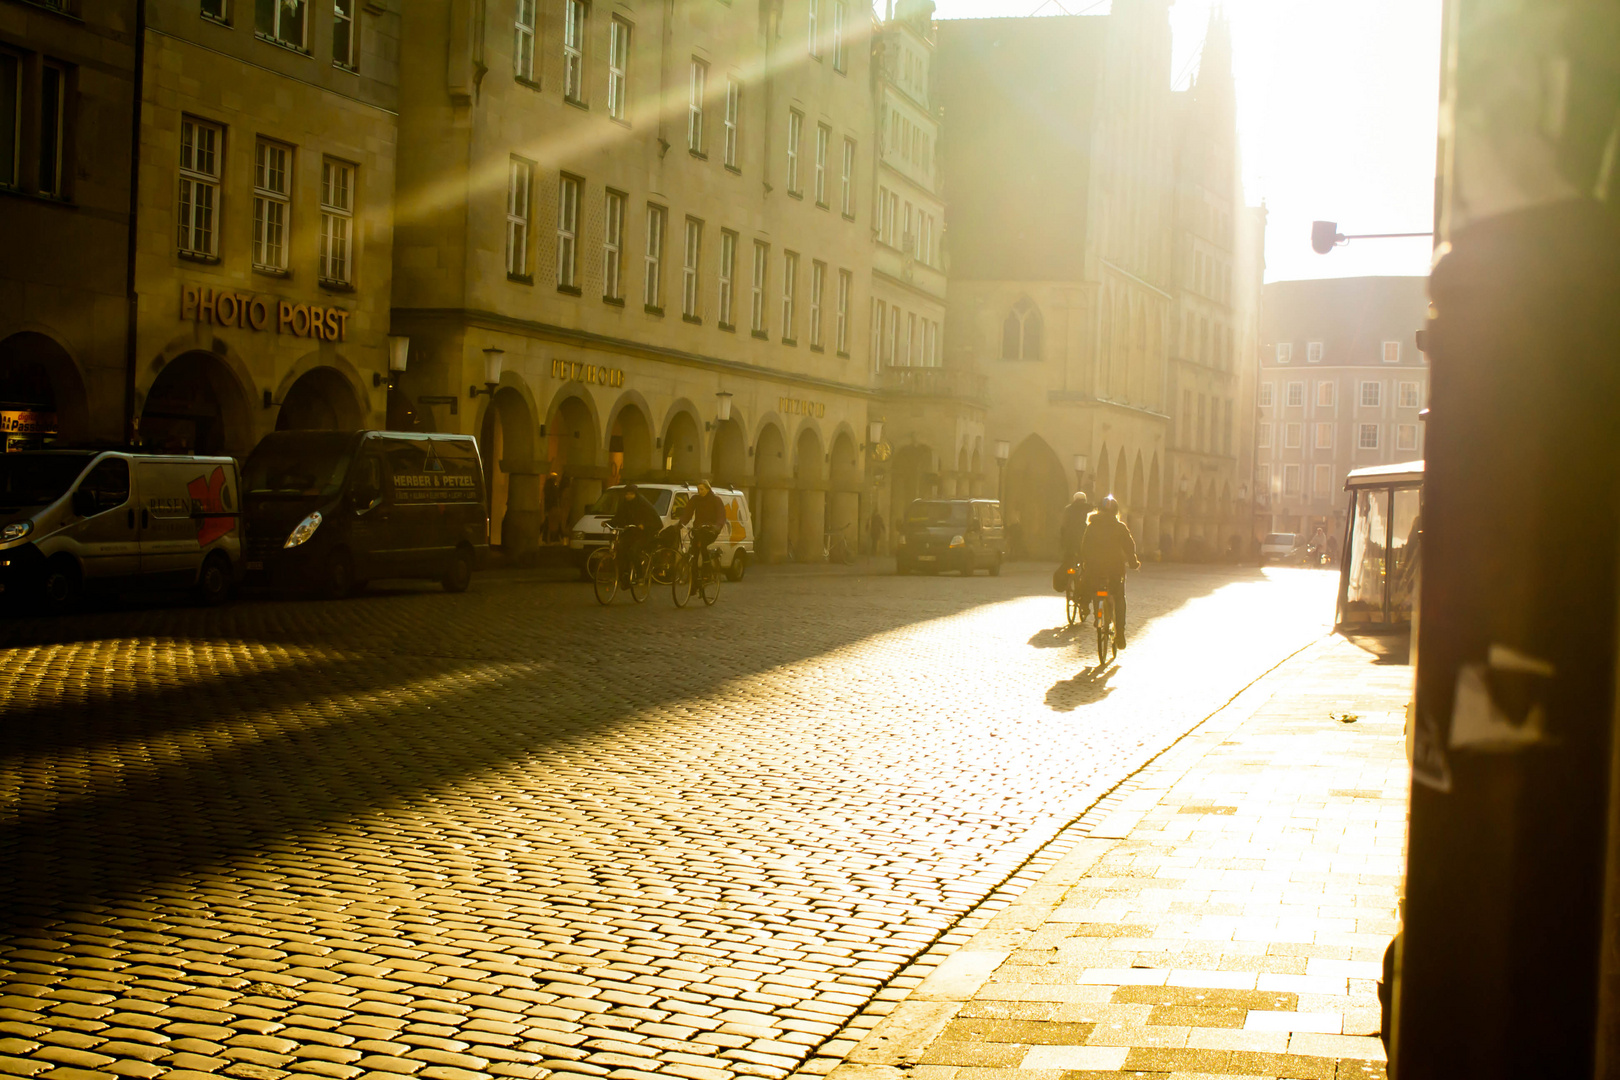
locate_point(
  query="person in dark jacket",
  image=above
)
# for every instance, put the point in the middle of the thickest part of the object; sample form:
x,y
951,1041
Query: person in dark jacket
x,y
707,513
639,521
1072,530
1108,551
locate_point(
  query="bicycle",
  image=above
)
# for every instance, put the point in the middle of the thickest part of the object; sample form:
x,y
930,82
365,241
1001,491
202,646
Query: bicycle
x,y
835,548
698,568
1073,605
1105,628
610,569
666,555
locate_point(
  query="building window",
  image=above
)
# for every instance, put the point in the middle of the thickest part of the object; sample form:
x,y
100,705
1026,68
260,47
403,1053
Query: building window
x,y
272,174
1285,352
1291,480
1268,395
337,222
815,28
1324,481
343,33
10,117
1411,398
574,50
790,288
1293,435
200,162
893,346
841,328
282,22
1324,395
1406,437
728,274
519,175
1313,352
694,106
1392,352
1368,438
523,41
762,253
1324,436
879,309
1226,430
1021,332
1296,395
733,110
840,54
689,268
653,283
215,9
1263,435
848,200
912,353
823,142
568,233
613,248
618,65
1372,394
795,125
818,284
1262,480
52,99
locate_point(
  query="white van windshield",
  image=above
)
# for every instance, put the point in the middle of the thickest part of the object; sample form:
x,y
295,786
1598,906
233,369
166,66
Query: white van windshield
x,y
608,503
1279,539
39,479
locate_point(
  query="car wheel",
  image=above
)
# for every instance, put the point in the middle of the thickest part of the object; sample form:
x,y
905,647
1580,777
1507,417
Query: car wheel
x,y
338,578
214,579
459,573
61,586
738,567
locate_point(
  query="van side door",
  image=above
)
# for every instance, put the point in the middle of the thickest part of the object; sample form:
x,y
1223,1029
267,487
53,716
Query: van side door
x,y
414,531
366,501
108,537
463,517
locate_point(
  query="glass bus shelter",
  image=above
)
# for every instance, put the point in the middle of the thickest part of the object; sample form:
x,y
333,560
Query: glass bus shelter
x,y
1378,575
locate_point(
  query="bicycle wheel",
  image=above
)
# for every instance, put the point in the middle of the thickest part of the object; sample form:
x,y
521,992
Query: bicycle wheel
x,y
664,561
1071,604
708,578
680,588
606,578
1105,631
641,579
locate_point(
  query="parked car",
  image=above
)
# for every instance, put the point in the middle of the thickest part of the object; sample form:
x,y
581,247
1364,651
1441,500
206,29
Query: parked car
x,y
951,534
330,510
735,546
77,521
1277,547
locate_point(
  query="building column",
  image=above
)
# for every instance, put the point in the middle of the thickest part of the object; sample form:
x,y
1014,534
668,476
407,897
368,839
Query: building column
x,y
773,524
524,520
812,524
844,508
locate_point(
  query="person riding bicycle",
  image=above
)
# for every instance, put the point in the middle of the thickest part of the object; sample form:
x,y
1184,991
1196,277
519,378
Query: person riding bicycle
x,y
1108,551
1072,530
707,512
638,521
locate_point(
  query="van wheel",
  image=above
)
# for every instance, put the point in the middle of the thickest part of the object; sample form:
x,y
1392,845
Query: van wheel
x,y
339,578
738,567
459,574
214,580
61,586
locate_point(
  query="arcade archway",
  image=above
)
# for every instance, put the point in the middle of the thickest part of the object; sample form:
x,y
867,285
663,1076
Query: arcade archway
x,y
1035,490
729,455
575,480
772,496
196,406
320,400
683,449
511,482
42,396
844,490
809,513
630,445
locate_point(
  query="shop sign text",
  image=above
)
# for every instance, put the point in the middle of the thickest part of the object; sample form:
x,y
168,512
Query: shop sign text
x,y
25,422
800,407
252,311
596,374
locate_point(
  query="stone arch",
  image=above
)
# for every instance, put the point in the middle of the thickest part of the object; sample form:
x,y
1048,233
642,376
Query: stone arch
x,y
1021,331
844,487
629,439
1104,476
681,445
1138,501
728,454
39,375
573,446
976,471
771,462
321,398
196,404
772,498
511,480
1034,493
809,457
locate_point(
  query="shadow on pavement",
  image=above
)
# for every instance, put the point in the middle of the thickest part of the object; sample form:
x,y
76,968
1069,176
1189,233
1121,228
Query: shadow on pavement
x,y
1090,685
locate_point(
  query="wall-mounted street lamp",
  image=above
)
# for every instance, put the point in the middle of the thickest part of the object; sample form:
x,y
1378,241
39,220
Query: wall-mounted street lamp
x,y
1003,452
722,410
399,351
874,432
493,360
1325,236
1080,463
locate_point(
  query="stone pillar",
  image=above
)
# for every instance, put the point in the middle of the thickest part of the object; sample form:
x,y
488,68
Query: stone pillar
x,y
844,508
773,524
812,525
520,529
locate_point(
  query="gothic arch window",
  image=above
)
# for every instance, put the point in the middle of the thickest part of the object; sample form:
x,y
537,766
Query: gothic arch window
x,y
1021,333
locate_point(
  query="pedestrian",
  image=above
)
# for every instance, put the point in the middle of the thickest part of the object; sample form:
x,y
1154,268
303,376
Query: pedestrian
x,y
875,530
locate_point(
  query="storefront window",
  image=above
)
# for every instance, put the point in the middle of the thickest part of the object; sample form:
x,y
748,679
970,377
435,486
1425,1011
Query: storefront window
x,y
1364,593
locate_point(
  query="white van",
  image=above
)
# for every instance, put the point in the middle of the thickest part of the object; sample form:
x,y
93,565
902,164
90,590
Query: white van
x,y
735,545
1277,546
74,521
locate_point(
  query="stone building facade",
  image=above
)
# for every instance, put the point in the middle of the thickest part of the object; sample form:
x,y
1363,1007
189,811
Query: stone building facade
x,y
264,265
67,107
632,243
1341,386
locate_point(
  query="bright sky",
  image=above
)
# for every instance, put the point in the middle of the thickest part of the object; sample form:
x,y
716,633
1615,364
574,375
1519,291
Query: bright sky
x,y
1336,102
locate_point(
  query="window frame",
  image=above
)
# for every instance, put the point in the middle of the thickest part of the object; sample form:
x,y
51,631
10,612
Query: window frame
x,y
569,190
1322,481
697,82
840,49
576,30
333,214
759,281
1416,396
54,129
790,297
273,35
523,38
848,200
652,280
341,19
1388,347
1326,394
818,287
266,196
1267,398
614,209
691,268
1314,351
1285,352
1406,437
1324,435
1291,472
1293,435
733,120
519,218
14,83
193,179
813,13
1361,436
727,279
618,89
846,283
1289,399
1262,435
823,148
1377,394
795,132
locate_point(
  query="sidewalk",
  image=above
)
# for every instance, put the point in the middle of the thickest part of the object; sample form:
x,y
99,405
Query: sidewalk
x,y
1224,914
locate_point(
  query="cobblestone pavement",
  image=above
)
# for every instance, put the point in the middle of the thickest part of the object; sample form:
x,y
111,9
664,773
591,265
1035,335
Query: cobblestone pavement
x,y
511,831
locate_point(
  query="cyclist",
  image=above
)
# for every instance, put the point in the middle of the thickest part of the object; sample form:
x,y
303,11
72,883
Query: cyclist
x,y
1072,530
1108,551
707,512
639,521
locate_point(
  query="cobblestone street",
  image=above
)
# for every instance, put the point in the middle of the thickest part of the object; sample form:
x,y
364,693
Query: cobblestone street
x,y
513,831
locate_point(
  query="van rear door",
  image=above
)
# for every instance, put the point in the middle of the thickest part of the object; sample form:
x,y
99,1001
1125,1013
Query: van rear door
x,y
185,508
